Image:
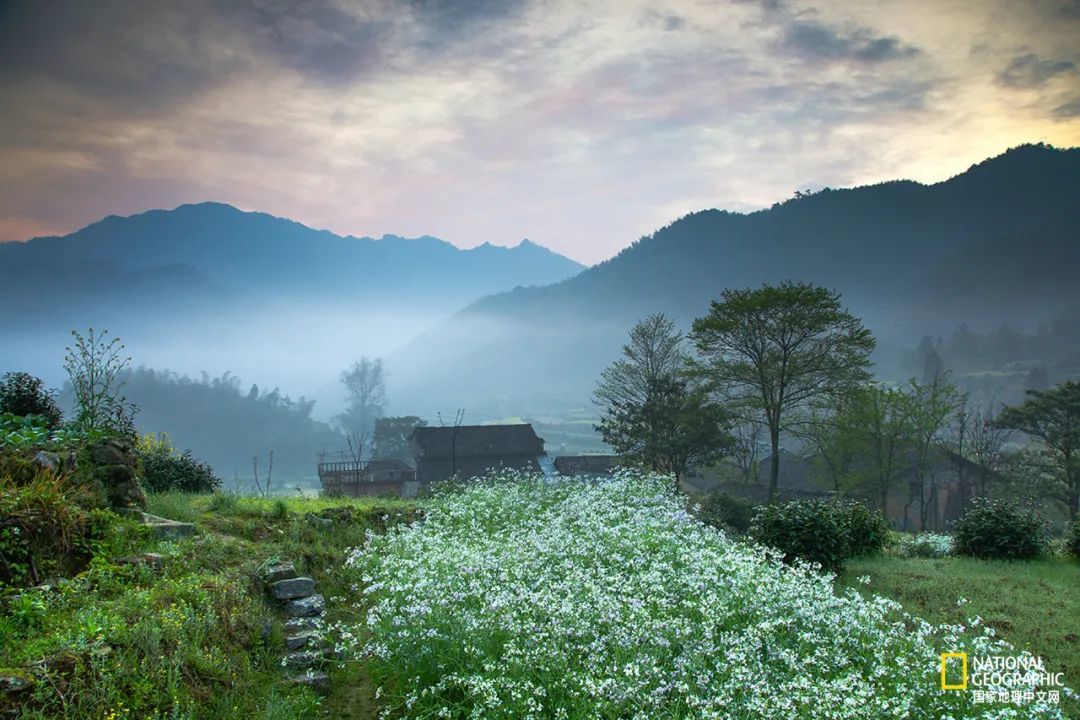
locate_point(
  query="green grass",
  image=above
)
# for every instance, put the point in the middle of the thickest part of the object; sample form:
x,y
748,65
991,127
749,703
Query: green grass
x,y
185,641
1033,604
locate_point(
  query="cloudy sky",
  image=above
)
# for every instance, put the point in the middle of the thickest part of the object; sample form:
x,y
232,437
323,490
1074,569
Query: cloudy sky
x,y
580,125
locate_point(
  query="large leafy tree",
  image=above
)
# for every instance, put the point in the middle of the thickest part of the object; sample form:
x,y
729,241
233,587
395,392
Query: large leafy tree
x,y
777,351
1053,417
653,413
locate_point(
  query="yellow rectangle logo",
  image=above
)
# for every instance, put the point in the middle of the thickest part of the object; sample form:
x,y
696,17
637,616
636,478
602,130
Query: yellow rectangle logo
x,y
945,657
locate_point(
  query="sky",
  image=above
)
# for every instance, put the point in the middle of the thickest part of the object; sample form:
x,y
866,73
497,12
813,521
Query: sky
x,y
579,125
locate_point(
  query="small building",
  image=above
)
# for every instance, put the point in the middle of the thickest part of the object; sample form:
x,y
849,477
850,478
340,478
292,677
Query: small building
x,y
353,478
586,465
467,451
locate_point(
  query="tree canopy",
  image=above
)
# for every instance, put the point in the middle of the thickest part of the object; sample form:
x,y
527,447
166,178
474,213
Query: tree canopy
x,y
1053,417
775,351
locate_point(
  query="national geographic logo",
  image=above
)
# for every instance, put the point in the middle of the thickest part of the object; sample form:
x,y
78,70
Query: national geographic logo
x,y
1015,679
959,660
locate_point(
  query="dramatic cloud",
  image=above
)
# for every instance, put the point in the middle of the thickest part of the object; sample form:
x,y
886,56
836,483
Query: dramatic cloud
x,y
816,41
1030,71
579,125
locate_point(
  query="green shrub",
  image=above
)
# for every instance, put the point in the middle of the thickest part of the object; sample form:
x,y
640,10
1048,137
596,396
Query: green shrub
x,y
1072,539
811,530
868,530
165,470
1000,530
926,545
23,394
727,512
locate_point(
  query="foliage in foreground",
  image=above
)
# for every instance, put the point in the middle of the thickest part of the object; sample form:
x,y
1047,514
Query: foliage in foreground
x,y
521,599
23,394
126,640
998,529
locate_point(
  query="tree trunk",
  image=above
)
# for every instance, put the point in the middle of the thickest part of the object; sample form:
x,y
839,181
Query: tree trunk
x,y
921,480
774,465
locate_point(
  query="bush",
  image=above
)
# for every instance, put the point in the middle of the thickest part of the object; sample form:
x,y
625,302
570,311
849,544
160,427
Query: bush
x,y
825,532
868,530
996,529
926,545
165,470
1072,539
811,530
727,512
23,394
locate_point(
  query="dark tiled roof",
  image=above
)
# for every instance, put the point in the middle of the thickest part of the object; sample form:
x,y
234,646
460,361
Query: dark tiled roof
x,y
586,464
477,441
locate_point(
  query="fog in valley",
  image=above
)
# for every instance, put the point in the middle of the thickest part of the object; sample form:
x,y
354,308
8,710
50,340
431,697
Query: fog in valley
x,y
267,314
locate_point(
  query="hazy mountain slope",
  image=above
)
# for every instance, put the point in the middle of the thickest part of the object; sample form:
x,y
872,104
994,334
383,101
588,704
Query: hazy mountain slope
x,y
996,243
209,287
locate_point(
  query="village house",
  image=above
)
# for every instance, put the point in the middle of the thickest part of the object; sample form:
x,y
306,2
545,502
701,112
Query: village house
x,y
467,451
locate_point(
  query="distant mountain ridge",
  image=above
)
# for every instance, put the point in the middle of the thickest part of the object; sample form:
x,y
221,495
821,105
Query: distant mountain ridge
x,y
999,242
260,252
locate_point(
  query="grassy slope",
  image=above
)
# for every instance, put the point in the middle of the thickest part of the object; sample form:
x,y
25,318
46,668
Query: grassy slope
x,y
1033,604
184,641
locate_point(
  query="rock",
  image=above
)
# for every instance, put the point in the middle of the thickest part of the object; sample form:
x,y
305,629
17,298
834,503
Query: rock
x,y
321,522
300,624
306,607
279,571
308,639
152,560
317,681
266,632
298,587
108,453
14,682
163,528
47,460
302,660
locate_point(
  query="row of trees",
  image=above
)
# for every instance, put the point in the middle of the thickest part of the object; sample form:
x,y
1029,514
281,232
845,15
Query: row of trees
x,y
790,361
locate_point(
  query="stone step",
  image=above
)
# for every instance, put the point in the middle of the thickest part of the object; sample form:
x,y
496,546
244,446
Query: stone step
x,y
292,588
301,624
279,571
306,607
307,639
317,681
303,659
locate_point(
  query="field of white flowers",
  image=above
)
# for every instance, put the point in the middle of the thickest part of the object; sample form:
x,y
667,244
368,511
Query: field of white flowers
x,y
521,599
